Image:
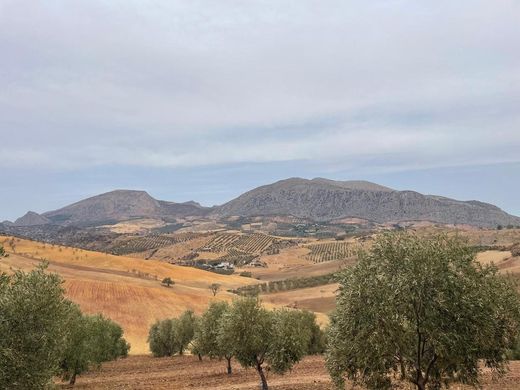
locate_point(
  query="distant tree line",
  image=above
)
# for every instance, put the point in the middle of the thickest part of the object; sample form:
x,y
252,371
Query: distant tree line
x,y
243,330
286,284
42,334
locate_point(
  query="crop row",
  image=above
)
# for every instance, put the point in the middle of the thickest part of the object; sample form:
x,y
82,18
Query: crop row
x,y
221,242
141,244
254,243
330,251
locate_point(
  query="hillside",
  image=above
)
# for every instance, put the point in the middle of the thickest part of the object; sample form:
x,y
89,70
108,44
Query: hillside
x,y
120,205
326,200
127,290
31,219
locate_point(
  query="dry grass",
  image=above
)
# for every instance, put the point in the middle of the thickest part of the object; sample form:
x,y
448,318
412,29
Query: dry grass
x,y
495,257
319,299
102,283
136,225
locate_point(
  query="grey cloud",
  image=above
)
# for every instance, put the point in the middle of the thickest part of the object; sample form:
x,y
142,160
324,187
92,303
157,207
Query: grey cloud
x,y
176,83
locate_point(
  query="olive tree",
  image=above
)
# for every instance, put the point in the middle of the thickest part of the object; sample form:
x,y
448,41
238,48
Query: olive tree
x,y
33,317
185,329
77,355
316,343
167,282
423,311
163,339
214,288
91,340
208,339
258,336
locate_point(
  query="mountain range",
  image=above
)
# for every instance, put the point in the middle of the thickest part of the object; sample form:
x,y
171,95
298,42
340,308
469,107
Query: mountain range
x,y
319,199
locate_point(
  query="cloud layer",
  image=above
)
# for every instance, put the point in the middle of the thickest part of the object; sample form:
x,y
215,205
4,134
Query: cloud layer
x,y
181,84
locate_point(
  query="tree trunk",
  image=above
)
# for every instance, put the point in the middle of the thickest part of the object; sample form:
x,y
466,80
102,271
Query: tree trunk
x,y
181,351
73,379
420,383
200,357
228,365
262,376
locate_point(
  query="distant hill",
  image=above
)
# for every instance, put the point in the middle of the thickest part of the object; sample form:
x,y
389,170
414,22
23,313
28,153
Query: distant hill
x,y
121,205
325,200
31,219
319,199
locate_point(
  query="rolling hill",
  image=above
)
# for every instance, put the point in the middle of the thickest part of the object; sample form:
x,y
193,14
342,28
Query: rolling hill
x,y
128,290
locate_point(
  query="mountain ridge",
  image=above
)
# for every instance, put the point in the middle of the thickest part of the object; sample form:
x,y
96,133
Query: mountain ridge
x,y
325,200
317,199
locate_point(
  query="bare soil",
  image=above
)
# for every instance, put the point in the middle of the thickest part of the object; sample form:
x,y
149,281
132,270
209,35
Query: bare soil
x,y
187,372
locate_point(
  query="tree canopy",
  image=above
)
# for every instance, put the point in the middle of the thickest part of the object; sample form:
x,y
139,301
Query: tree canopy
x,y
172,335
163,339
33,315
208,339
43,333
422,310
257,336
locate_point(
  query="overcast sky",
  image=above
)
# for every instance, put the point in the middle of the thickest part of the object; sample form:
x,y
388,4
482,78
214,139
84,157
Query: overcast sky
x,y
204,99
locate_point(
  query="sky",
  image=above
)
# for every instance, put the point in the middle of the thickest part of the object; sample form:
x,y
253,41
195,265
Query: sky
x,y
204,100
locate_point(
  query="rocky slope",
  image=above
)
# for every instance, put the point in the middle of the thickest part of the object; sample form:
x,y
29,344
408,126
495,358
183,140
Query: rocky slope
x,y
326,200
31,219
120,205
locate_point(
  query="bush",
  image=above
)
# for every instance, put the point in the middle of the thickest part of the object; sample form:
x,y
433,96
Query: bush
x,y
246,274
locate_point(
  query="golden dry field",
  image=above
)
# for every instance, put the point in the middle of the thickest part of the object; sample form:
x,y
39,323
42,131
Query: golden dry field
x,y
123,288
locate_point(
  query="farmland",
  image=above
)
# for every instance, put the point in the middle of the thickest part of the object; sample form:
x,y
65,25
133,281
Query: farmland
x,y
126,289
331,251
180,372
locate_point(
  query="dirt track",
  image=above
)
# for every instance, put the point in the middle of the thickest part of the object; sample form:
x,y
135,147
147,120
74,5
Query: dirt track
x,y
186,372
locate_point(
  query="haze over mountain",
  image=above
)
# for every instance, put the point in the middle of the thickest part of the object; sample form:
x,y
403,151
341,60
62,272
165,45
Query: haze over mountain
x,y
318,199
